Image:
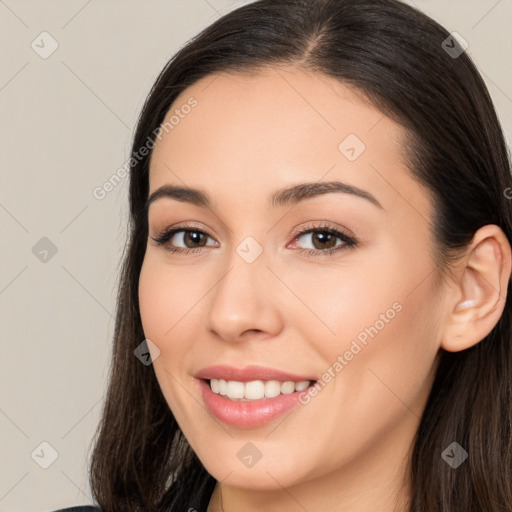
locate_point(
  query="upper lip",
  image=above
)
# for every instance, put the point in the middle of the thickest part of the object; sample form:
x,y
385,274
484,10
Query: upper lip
x,y
248,374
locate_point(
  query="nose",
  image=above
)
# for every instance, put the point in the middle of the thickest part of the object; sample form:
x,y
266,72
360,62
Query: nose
x,y
245,302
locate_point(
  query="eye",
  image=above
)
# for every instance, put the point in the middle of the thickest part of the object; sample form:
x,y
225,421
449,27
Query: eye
x,y
323,240
186,235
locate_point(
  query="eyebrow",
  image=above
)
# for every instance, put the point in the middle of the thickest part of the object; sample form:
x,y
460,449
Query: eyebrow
x,y
292,194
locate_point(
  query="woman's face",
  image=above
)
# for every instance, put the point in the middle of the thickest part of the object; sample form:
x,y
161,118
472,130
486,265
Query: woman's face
x,y
254,292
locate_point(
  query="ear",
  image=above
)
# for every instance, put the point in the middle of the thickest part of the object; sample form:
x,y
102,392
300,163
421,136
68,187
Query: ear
x,y
480,290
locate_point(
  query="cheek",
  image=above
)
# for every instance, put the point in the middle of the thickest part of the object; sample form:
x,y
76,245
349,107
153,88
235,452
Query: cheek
x,y
339,303
378,329
152,303
166,301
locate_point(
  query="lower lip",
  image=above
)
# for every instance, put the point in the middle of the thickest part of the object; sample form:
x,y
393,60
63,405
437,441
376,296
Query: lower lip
x,y
248,414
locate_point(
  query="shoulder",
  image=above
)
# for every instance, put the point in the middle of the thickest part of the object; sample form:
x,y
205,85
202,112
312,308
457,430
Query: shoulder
x,y
81,508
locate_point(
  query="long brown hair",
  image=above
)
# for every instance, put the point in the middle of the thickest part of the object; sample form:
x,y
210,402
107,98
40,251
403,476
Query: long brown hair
x,y
399,58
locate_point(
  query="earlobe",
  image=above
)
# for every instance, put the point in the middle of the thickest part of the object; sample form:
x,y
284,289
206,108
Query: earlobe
x,y
481,290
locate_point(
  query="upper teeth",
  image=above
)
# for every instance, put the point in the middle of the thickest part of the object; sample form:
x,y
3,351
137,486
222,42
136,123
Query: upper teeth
x,y
255,389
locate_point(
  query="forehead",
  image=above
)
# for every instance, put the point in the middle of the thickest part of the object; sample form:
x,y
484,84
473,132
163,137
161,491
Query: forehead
x,y
268,128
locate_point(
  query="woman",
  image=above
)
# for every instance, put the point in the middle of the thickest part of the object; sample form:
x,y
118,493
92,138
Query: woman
x,y
319,272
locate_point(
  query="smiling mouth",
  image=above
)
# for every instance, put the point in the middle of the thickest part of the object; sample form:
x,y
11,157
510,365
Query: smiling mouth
x,y
256,389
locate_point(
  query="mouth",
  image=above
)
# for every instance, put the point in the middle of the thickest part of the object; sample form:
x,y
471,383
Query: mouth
x,y
251,396
252,403
256,389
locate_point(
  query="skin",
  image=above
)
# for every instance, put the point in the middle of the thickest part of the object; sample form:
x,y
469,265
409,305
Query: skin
x,y
248,136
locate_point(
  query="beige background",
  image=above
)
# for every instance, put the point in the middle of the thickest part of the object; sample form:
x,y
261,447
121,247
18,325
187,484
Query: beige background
x,y
67,124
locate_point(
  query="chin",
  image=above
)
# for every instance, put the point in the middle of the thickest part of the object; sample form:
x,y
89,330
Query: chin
x,y
265,475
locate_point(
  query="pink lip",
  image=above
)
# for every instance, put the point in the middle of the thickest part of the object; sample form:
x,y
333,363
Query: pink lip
x,y
248,373
247,414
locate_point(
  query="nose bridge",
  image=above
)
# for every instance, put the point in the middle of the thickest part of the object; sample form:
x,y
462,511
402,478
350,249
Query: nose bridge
x,y
242,299
245,265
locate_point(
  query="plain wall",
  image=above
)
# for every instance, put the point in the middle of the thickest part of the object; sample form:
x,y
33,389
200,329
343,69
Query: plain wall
x,y
67,122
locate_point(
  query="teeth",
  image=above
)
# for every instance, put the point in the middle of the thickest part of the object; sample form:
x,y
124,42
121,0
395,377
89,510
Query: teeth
x,y
256,389
287,387
235,389
272,388
223,387
215,385
301,386
253,390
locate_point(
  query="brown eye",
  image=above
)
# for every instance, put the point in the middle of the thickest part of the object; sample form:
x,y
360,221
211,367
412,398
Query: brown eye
x,y
190,238
324,240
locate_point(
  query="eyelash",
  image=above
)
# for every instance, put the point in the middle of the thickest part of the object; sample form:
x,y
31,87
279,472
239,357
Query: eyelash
x,y
349,242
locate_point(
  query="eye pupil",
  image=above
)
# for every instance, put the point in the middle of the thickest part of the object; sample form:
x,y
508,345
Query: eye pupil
x,y
193,237
324,237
